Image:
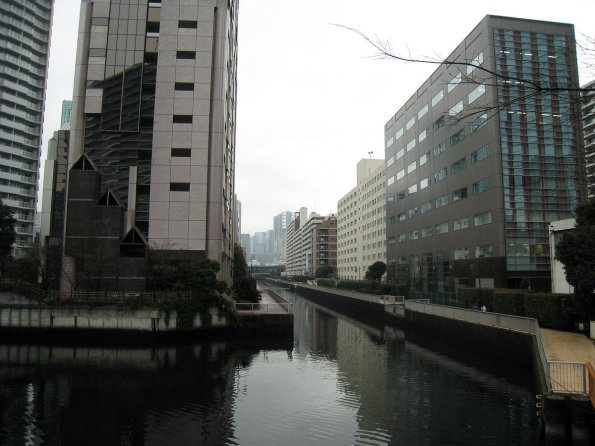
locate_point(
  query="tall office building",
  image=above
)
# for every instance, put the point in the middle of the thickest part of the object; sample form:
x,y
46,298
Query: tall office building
x,y
152,139
24,52
66,112
483,157
588,105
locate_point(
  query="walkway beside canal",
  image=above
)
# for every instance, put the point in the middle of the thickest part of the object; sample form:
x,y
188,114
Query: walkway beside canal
x,y
267,305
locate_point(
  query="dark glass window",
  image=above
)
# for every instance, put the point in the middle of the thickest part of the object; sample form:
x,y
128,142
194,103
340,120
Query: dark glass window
x,y
152,27
181,153
179,187
182,119
187,24
186,55
185,86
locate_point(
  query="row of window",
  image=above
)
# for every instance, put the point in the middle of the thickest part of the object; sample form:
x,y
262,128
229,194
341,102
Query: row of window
x,y
476,93
480,219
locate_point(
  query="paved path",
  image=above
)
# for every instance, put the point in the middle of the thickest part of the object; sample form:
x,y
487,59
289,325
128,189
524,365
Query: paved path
x,y
565,346
268,305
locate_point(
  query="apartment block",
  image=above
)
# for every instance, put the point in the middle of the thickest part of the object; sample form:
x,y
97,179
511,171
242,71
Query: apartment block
x,y
152,140
310,243
485,154
24,54
361,222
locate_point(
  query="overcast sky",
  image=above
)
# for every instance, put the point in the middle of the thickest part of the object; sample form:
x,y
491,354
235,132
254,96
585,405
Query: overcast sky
x,y
312,98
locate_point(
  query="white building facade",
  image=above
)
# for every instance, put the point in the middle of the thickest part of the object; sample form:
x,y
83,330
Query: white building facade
x,y
361,222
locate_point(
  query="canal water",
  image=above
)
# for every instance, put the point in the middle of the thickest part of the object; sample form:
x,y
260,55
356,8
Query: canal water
x,y
341,380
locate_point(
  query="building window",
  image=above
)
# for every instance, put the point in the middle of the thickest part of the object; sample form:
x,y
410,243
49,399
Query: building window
x,y
459,194
442,228
390,181
412,212
457,137
480,154
402,216
400,154
181,153
186,55
411,167
476,62
401,238
439,123
179,187
399,134
190,24
182,119
476,93
426,207
441,201
461,223
390,161
184,86
423,135
410,123
440,175
458,165
439,148
411,144
391,240
427,232
461,253
478,123
424,183
412,189
152,27
482,219
484,251
422,111
456,109
454,82
389,142
414,235
437,98
482,186
424,158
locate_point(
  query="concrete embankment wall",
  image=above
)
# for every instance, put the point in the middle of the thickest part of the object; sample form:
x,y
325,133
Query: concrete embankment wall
x,y
514,344
99,318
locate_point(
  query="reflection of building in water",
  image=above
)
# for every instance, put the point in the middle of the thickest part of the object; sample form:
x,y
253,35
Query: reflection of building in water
x,y
134,393
363,374
315,331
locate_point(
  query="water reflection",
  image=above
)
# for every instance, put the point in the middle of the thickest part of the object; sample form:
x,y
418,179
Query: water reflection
x,y
344,380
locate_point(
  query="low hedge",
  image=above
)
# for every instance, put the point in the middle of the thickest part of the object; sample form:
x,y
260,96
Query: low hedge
x,y
556,311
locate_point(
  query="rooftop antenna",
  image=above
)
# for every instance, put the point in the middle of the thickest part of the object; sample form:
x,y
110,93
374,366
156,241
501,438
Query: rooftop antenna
x,y
370,153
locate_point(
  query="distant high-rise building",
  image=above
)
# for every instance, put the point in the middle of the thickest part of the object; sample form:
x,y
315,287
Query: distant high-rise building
x,y
24,53
588,106
483,157
280,222
152,139
66,111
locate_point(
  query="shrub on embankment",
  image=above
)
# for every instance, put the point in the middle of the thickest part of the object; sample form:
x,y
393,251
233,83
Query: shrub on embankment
x,y
557,311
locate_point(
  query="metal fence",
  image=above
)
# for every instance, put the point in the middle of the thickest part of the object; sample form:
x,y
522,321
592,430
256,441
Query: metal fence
x,y
569,377
271,308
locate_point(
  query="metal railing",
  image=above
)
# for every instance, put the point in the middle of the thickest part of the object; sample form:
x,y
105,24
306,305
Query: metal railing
x,y
272,308
391,300
591,381
569,377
